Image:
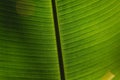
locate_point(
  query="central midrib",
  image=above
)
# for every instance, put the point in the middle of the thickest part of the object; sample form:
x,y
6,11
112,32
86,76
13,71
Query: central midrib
x,y
57,32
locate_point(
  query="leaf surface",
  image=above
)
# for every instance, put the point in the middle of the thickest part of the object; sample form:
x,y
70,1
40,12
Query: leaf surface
x,y
59,39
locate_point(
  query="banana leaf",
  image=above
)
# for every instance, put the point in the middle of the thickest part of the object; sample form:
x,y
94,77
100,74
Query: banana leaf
x,y
59,40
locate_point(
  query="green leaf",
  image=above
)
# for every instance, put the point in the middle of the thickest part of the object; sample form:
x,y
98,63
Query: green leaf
x,y
59,40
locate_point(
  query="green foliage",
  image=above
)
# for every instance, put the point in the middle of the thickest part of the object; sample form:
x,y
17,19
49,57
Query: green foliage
x,y
89,36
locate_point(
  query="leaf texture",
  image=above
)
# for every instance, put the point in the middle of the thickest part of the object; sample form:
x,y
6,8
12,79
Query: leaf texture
x,y
88,35
27,41
90,38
